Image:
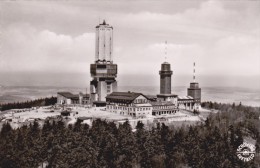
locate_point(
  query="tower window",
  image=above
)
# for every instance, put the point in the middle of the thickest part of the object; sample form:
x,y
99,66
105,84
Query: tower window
x,y
108,88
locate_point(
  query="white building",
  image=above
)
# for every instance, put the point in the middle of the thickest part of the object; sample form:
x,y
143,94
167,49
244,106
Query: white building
x,y
168,98
188,103
129,103
68,98
164,107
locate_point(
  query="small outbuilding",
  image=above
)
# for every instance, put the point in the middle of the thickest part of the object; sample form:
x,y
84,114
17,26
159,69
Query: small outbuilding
x,y
99,103
65,113
68,98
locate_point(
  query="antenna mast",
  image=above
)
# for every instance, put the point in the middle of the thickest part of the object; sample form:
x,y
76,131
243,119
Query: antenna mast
x,y
194,71
165,51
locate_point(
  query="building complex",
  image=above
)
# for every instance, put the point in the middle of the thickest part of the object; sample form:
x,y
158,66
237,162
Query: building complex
x,y
103,86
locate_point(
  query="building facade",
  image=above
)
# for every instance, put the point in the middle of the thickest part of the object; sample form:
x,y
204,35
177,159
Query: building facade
x,y
67,98
186,103
129,103
103,71
166,107
168,98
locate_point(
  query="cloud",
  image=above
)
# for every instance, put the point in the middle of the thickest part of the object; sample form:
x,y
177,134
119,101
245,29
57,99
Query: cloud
x,y
147,60
59,37
212,19
236,55
34,50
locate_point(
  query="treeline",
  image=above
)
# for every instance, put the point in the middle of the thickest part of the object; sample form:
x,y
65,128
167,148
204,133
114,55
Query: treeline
x,y
229,107
29,104
211,144
106,145
245,116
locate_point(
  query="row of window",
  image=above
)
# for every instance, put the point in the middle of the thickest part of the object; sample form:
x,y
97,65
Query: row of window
x,y
138,114
140,101
164,112
163,107
119,104
105,29
130,109
133,114
109,88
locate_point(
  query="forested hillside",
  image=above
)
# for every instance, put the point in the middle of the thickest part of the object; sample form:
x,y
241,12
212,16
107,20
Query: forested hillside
x,y
29,104
212,144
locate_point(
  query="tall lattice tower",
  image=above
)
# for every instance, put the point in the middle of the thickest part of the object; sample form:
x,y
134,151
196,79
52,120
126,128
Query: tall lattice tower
x,y
103,71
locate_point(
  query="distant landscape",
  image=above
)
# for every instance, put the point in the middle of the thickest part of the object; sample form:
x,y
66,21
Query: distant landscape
x,y
250,97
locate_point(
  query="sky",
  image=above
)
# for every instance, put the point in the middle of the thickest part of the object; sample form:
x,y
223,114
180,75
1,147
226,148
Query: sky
x,y
53,42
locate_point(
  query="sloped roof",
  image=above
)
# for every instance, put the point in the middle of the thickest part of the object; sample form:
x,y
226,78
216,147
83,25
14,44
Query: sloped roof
x,y
72,96
151,97
67,94
167,95
185,98
126,97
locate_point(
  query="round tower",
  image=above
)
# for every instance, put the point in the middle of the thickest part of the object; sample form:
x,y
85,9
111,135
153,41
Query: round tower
x,y
165,78
194,90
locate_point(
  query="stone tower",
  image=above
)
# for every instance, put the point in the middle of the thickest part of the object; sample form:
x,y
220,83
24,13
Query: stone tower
x,y
165,78
165,84
195,92
103,71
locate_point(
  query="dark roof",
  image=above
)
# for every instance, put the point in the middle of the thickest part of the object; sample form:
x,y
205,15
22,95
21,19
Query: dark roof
x,y
104,24
126,97
84,118
72,96
99,102
65,112
167,95
67,94
151,97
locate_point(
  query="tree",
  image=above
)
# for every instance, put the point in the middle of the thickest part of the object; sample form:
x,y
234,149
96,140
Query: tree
x,y
127,147
6,129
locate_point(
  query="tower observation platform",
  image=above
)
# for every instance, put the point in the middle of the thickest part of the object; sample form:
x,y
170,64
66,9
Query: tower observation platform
x,y
103,71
